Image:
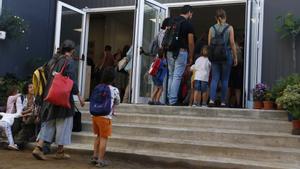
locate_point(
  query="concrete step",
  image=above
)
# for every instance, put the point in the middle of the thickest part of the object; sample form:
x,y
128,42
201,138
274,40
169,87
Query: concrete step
x,y
198,148
205,134
198,111
188,161
203,122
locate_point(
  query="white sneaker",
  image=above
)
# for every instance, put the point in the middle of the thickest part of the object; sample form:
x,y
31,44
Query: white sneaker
x,y
13,147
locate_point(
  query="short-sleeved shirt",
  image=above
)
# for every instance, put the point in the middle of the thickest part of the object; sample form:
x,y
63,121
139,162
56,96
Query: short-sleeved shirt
x,y
115,100
186,28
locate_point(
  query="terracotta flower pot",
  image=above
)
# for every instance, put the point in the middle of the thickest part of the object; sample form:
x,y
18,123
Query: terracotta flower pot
x,y
296,127
268,105
257,105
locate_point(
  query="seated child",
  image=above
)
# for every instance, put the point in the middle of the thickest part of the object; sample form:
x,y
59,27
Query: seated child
x,y
158,80
102,125
13,94
202,69
5,123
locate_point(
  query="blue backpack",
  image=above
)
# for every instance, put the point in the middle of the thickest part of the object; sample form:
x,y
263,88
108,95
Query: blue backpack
x,y
100,101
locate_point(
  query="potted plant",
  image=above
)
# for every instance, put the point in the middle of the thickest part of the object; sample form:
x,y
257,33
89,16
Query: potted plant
x,y
280,85
11,26
268,101
258,95
289,27
290,100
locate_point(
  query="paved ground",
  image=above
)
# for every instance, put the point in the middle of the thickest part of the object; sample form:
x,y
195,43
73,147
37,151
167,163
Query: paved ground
x,y
24,160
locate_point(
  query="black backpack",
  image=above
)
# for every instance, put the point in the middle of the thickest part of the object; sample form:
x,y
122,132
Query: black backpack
x,y
218,45
172,39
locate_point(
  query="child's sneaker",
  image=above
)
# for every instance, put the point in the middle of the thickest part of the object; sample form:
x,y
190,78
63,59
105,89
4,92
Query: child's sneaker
x,y
211,104
94,160
223,105
102,163
13,147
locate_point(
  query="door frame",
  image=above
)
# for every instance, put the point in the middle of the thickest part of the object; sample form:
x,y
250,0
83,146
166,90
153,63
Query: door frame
x,y
253,77
83,45
1,2
204,3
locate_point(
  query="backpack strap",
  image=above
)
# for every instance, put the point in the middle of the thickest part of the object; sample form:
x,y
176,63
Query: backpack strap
x,y
179,23
215,29
220,33
22,98
224,30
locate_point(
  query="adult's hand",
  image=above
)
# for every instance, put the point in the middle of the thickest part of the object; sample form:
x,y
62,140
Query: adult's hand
x,y
235,61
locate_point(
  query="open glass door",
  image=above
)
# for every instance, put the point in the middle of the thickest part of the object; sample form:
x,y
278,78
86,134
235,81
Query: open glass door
x,y
148,18
253,64
71,24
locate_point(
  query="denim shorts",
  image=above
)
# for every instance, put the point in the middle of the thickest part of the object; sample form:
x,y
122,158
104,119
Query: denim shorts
x,y
157,81
201,86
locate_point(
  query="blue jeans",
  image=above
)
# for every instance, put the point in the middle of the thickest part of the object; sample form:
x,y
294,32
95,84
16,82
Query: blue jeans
x,y
176,69
220,71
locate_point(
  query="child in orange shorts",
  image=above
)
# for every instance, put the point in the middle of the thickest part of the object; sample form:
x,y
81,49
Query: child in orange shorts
x,y
102,125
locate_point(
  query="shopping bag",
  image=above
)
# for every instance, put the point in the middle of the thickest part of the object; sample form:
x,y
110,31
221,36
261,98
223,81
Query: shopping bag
x,y
60,90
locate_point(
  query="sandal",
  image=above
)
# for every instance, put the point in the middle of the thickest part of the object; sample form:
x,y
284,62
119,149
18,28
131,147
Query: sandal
x,y
102,163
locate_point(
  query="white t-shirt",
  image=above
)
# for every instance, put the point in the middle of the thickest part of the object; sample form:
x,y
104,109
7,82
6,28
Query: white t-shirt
x,y
202,69
115,100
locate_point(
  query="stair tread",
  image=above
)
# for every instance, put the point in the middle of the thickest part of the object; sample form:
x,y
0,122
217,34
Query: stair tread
x,y
196,142
183,156
123,105
203,118
191,128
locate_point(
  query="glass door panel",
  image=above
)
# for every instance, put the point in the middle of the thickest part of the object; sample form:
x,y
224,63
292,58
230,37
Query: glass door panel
x,y
149,16
70,24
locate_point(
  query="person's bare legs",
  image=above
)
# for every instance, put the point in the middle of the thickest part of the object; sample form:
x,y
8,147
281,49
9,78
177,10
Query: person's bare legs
x,y
102,148
197,96
96,146
127,90
192,100
238,97
204,98
154,94
159,92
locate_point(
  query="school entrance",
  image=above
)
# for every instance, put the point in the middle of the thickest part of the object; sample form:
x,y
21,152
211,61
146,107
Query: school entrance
x,y
93,28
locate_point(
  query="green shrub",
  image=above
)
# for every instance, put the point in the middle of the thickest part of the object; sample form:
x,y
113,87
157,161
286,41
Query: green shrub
x,y
278,88
290,100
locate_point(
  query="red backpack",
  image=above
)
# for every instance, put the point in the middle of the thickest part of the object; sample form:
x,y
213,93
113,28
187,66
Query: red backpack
x,y
154,67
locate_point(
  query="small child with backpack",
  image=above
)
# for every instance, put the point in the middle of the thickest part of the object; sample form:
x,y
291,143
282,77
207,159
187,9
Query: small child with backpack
x,y
102,101
158,79
202,70
159,67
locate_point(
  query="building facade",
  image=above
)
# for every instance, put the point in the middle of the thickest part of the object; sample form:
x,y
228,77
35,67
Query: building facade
x,y
266,58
